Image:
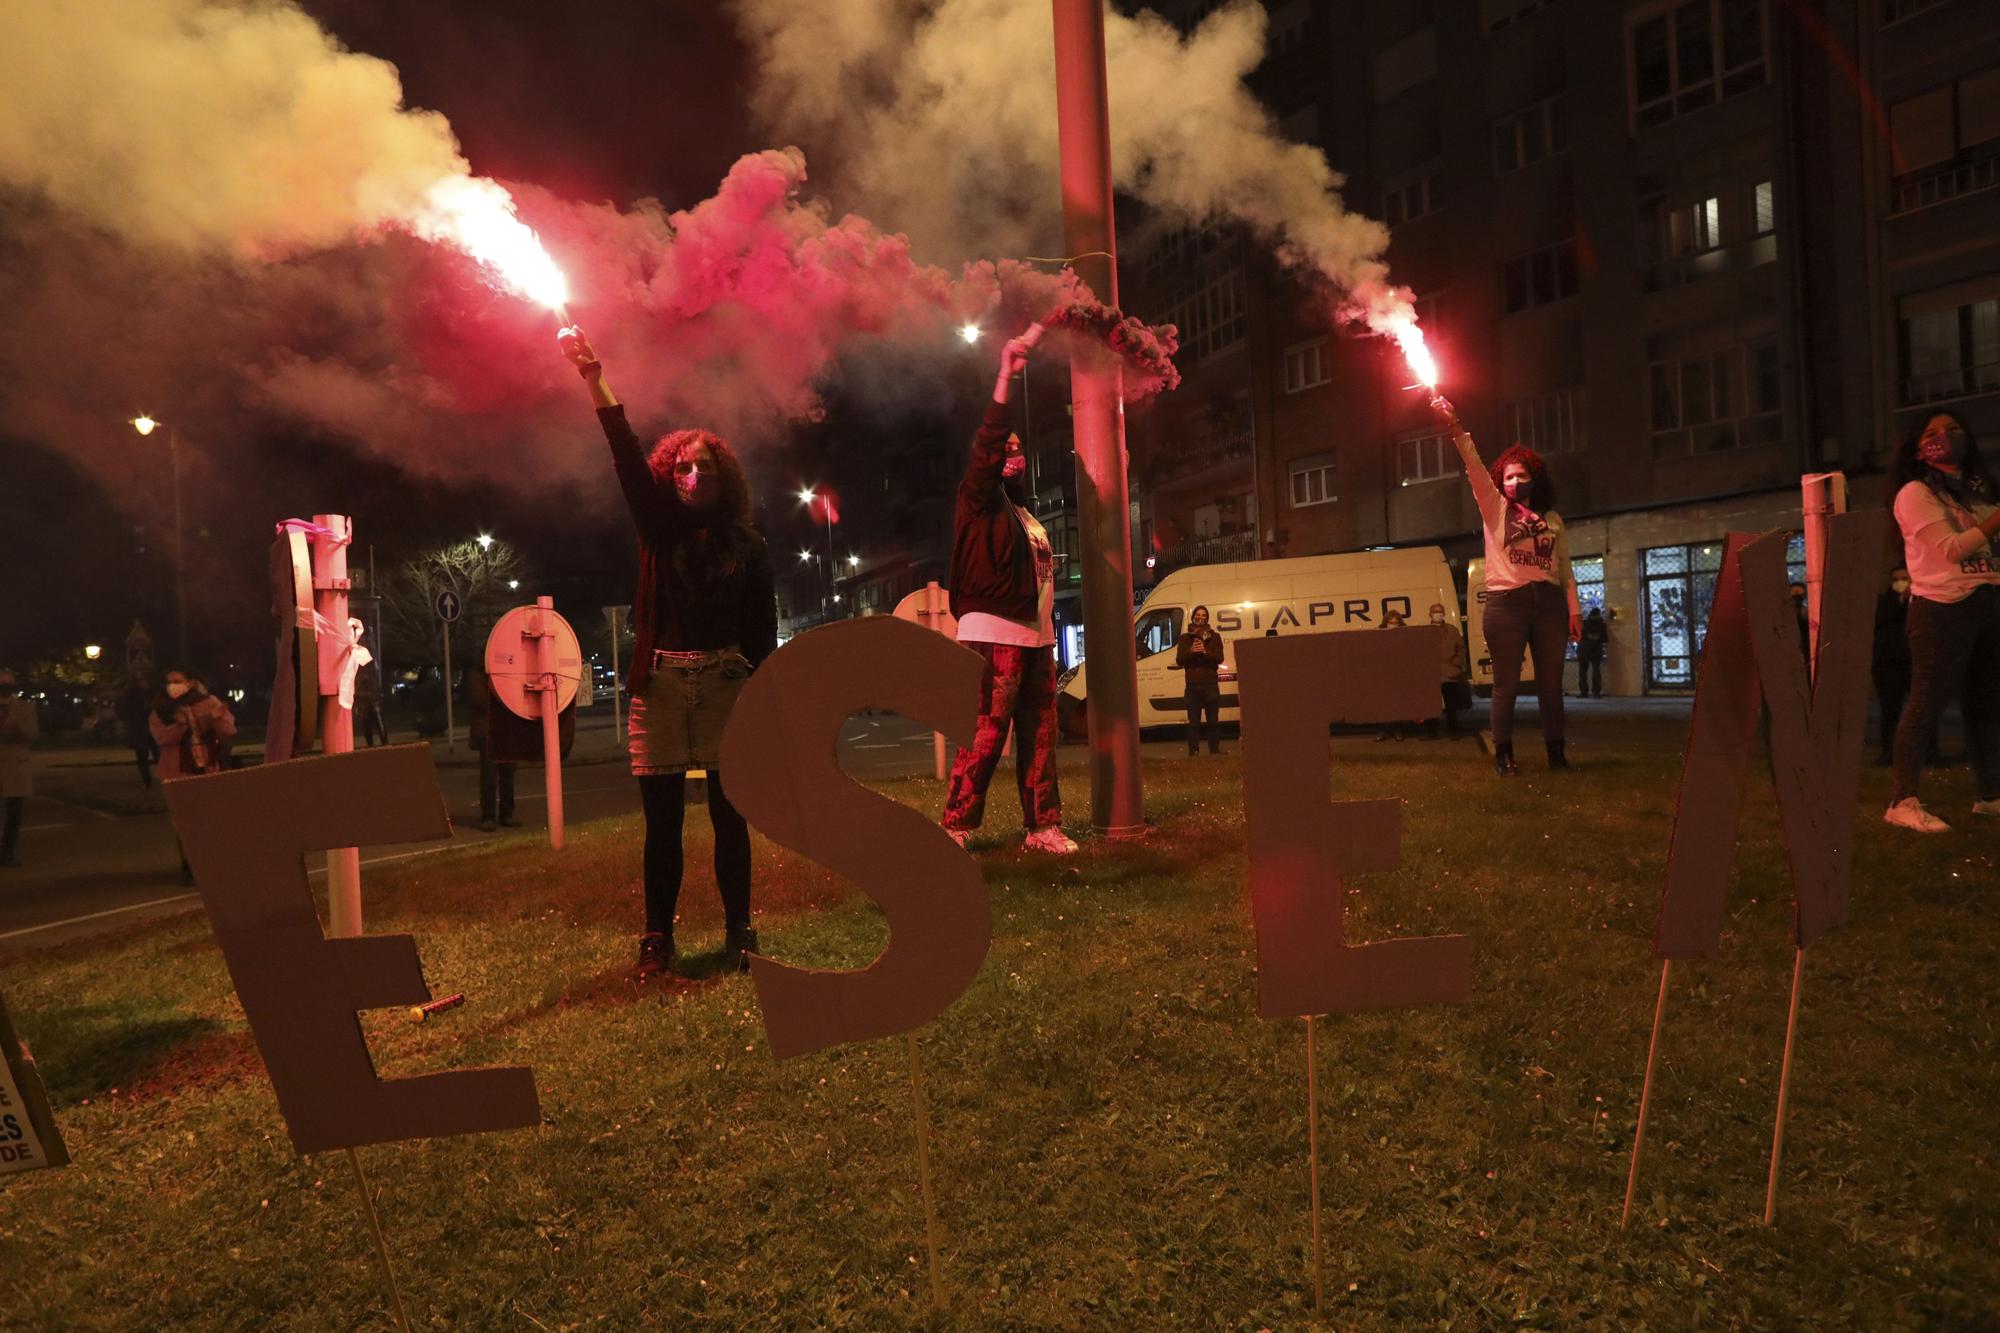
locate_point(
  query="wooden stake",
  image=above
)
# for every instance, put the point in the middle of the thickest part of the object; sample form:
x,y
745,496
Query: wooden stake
x,y
1312,1155
924,1171
1646,1094
1784,1089
381,1245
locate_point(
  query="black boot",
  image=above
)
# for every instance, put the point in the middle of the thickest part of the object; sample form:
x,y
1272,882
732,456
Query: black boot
x,y
656,955
736,943
1503,760
1557,759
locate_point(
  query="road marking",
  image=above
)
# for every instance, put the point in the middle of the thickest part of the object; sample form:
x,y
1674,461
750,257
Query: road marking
x,y
184,897
92,916
890,745
87,809
30,828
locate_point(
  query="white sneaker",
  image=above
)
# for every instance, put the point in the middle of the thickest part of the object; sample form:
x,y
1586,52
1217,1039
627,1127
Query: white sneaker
x,y
1909,813
1049,839
1991,807
961,836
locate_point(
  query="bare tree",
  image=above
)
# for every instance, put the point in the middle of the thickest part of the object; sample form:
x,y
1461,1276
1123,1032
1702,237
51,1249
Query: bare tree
x,y
484,574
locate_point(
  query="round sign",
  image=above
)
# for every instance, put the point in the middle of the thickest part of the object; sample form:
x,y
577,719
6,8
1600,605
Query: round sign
x,y
930,606
446,604
513,661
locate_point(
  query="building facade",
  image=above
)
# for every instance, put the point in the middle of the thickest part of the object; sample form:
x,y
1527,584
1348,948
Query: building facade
x,y
1686,249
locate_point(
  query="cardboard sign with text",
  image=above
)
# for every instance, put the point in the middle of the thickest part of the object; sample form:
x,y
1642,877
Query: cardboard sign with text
x,y
785,777
1302,846
29,1138
246,834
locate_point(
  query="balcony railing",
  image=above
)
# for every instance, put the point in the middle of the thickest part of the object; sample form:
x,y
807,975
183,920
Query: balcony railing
x,y
1945,184
1221,549
1959,382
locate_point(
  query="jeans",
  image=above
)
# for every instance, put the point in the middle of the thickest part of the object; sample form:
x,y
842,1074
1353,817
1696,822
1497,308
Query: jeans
x,y
1204,708
664,796
1954,649
1589,677
1532,618
1019,692
1891,690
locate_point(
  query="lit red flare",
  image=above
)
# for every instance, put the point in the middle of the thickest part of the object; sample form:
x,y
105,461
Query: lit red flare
x,y
1411,339
476,215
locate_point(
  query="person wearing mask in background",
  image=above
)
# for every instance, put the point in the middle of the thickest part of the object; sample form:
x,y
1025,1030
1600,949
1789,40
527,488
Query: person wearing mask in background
x,y
18,728
704,617
135,705
1531,604
496,780
1003,594
1199,654
1590,645
193,729
1455,688
1394,731
1890,664
1948,512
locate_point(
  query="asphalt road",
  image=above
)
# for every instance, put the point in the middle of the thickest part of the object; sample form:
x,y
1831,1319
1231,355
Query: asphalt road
x,y
87,870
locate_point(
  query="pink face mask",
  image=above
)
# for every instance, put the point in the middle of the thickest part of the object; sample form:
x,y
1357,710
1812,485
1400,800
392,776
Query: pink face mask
x,y
695,484
1945,446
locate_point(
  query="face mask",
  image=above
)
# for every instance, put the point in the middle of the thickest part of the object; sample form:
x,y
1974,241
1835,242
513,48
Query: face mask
x,y
175,689
1899,586
1946,448
1521,489
1438,619
697,487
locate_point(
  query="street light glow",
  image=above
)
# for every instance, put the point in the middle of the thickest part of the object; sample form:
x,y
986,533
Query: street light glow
x,y
485,542
513,584
93,651
806,495
805,556
969,332
854,562
144,424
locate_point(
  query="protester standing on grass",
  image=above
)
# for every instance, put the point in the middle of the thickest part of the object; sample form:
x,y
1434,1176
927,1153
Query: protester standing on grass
x,y
1199,655
1531,601
1590,645
18,728
193,729
1003,594
1949,513
1890,662
705,615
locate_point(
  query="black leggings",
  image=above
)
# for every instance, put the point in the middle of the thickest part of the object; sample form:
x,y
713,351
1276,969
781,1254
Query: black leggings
x,y
664,796
1534,618
1954,650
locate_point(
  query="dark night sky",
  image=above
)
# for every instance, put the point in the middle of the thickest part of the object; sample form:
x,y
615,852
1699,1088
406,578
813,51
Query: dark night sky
x,y
614,101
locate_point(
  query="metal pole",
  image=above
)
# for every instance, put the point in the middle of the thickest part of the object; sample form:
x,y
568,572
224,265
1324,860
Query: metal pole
x,y
180,550
617,684
450,727
1117,805
545,673
336,724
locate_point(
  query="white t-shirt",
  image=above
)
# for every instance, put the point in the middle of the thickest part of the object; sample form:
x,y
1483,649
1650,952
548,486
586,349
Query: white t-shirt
x,y
1522,547
1947,555
985,627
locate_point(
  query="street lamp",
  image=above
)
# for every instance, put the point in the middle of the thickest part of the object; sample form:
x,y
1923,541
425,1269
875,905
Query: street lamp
x,y
485,541
146,425
807,495
93,651
513,585
969,332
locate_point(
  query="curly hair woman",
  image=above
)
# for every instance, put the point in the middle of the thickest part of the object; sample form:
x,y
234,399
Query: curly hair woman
x,y
1949,512
1531,600
705,616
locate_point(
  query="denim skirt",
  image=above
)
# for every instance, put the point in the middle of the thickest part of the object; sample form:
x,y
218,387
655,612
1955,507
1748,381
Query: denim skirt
x,y
677,723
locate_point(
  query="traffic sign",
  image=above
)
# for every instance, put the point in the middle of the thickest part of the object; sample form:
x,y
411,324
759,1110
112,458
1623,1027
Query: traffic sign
x,y
446,605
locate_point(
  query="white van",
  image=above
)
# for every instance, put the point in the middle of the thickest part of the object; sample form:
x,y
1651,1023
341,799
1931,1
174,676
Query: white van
x,y
1252,598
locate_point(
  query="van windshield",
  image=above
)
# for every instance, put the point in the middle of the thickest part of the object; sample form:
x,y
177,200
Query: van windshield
x,y
1158,631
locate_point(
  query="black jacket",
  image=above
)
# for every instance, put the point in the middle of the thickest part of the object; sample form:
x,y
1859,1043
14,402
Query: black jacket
x,y
992,561
1200,659
737,608
1892,642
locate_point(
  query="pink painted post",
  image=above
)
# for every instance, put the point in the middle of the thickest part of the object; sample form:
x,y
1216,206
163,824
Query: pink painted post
x,y
336,728
1117,805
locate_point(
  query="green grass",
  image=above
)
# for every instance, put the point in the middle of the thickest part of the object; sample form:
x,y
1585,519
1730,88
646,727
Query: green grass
x,y
1119,1141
